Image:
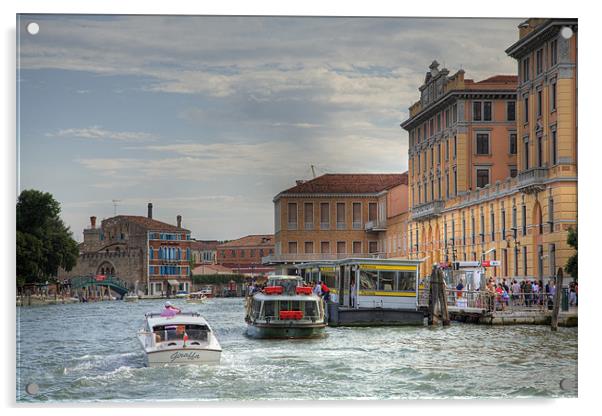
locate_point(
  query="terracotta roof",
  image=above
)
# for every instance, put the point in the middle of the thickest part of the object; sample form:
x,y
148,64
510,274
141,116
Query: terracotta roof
x,y
251,241
149,223
500,79
350,183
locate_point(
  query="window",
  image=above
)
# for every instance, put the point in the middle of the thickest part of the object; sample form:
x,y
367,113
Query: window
x,y
482,233
325,247
554,148
514,225
511,110
340,215
292,216
539,61
418,162
455,182
553,97
438,122
526,154
439,153
526,110
512,143
482,143
482,177
513,171
503,224
540,151
554,52
308,212
357,246
324,215
292,247
341,247
552,256
447,118
525,272
309,247
455,113
453,232
551,214
539,103
524,215
446,184
526,69
373,246
431,127
372,211
473,231
492,220
476,111
516,253
439,187
357,215
463,230
487,111
455,147
432,157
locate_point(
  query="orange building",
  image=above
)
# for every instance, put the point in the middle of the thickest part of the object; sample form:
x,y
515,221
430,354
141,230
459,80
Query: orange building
x,y
340,215
244,255
498,180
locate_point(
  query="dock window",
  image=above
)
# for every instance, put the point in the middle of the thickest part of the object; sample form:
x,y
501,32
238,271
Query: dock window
x,y
269,309
407,281
386,281
368,279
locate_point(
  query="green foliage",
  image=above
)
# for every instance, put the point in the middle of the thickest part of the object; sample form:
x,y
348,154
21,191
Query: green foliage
x,y
44,242
572,263
209,279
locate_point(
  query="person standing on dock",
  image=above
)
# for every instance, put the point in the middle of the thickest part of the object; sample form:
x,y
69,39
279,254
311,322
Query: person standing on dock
x,y
318,289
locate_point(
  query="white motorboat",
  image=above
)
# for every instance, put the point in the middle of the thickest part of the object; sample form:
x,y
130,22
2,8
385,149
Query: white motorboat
x,y
131,297
196,297
183,338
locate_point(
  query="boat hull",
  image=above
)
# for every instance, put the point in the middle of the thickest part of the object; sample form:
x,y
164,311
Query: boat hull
x,y
285,331
186,356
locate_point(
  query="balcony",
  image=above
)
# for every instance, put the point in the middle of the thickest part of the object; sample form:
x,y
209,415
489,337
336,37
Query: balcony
x,y
375,226
429,210
309,225
341,225
532,180
291,258
357,225
324,225
292,226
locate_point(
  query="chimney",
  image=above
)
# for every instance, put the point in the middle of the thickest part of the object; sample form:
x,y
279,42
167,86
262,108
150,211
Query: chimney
x,y
179,220
92,222
300,182
150,210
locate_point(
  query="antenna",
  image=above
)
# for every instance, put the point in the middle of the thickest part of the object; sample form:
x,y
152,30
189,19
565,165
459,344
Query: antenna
x,y
313,171
115,201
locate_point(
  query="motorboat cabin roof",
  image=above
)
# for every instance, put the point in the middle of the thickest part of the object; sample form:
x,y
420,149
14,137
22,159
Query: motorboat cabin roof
x,y
183,318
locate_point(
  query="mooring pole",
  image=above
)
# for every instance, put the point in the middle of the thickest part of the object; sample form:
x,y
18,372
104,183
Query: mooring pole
x,y
433,295
557,298
442,297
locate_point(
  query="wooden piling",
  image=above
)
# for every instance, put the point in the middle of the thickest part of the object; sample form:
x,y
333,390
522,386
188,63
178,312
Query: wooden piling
x,y
442,298
557,299
433,295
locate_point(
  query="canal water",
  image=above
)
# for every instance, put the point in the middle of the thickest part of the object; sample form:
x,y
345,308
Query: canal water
x,y
89,352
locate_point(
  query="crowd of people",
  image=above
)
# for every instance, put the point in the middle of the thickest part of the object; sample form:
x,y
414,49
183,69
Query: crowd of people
x,y
526,293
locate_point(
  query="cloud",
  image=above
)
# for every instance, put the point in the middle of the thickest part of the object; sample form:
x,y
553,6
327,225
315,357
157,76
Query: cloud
x,y
98,133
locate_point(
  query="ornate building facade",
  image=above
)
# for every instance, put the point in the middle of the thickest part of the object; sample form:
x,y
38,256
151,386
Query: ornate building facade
x,y
493,164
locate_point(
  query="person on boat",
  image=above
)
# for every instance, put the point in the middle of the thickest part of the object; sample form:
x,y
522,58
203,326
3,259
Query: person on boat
x,y
170,310
318,289
325,292
459,289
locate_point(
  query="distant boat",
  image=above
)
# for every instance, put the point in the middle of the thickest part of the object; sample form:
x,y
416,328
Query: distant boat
x,y
285,309
179,339
131,297
196,297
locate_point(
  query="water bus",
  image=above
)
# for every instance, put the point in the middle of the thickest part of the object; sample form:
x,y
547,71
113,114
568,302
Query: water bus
x,y
182,338
286,308
369,291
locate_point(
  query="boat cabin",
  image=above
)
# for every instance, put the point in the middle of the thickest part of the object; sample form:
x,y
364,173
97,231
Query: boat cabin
x,y
187,326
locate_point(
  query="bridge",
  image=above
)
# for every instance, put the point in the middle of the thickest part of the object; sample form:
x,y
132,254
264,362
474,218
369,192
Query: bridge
x,y
112,282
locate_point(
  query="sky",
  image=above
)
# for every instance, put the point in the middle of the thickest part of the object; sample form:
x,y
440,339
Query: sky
x,y
210,117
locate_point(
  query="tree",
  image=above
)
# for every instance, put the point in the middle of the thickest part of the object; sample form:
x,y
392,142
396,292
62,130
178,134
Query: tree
x,y
44,242
571,264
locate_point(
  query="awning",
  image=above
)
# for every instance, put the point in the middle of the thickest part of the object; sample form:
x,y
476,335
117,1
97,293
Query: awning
x,y
173,282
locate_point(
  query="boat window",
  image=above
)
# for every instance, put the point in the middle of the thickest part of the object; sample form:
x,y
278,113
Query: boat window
x,y
329,279
368,279
256,307
177,332
311,309
269,309
284,305
407,281
386,281
295,305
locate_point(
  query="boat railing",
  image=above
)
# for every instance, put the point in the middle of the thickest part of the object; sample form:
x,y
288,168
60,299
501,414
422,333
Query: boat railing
x,y
522,301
